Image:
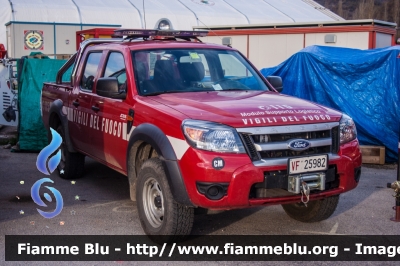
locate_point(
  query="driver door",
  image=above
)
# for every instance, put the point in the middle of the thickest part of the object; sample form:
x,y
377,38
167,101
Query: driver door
x,y
110,144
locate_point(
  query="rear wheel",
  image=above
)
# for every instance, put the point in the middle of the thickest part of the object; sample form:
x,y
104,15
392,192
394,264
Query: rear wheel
x,y
317,210
161,217
72,163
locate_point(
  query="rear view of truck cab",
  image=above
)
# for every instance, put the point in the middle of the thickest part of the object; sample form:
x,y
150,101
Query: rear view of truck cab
x,y
196,125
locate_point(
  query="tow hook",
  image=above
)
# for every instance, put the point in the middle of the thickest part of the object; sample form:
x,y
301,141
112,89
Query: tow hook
x,y
302,184
305,191
396,187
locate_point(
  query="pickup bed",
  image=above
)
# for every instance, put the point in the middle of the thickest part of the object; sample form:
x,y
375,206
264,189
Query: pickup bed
x,y
195,125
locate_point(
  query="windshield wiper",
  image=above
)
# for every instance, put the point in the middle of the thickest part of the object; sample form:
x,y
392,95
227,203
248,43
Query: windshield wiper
x,y
234,89
161,92
178,91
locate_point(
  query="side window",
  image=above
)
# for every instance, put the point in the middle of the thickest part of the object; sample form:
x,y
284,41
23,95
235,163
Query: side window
x,y
115,67
90,71
66,77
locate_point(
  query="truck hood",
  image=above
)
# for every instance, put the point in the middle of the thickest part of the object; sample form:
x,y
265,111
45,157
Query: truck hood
x,y
248,108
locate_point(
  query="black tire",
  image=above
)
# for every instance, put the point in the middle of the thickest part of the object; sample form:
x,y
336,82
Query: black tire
x,y
317,210
161,217
72,164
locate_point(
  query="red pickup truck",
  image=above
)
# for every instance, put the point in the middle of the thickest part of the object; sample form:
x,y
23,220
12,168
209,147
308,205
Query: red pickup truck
x,y
196,125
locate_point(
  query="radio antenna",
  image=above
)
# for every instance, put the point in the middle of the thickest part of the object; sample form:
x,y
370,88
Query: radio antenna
x,y
198,20
209,28
144,13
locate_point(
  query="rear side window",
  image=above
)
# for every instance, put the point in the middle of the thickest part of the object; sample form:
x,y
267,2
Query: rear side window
x,y
92,63
66,77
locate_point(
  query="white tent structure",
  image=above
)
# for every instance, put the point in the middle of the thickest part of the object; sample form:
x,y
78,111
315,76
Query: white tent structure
x,y
179,14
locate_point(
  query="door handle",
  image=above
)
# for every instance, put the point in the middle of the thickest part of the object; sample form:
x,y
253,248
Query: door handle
x,y
95,108
75,103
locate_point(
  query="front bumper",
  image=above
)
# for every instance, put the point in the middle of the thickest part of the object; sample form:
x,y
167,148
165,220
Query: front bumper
x,y
240,176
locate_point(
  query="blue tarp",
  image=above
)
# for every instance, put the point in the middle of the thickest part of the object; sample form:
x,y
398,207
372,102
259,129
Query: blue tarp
x,y
364,84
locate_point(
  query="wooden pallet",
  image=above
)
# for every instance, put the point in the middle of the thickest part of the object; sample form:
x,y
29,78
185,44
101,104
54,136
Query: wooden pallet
x,y
58,56
373,154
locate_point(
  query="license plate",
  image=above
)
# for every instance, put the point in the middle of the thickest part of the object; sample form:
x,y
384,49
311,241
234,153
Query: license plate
x,y
307,164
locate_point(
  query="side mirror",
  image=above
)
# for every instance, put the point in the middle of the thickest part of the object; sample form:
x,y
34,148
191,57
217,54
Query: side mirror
x,y
276,82
108,87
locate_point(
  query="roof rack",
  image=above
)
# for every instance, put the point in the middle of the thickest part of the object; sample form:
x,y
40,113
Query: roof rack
x,y
140,33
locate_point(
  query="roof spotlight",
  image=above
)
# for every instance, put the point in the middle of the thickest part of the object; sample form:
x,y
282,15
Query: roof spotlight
x,y
164,25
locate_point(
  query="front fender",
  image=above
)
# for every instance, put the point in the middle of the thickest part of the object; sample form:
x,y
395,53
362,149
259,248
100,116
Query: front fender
x,y
158,140
56,111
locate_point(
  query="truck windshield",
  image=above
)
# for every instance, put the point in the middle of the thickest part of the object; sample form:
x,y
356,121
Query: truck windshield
x,y
188,70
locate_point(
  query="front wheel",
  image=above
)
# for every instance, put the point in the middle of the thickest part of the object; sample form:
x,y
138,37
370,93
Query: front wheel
x,y
315,211
161,217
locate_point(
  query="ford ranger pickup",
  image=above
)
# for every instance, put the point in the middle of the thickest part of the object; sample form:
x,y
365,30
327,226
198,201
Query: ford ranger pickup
x,y
195,125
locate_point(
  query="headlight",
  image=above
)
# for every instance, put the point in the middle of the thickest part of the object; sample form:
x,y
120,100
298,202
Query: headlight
x,y
212,136
348,130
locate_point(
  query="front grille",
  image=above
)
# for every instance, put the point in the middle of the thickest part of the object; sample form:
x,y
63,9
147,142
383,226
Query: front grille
x,y
335,139
290,153
295,135
270,143
251,149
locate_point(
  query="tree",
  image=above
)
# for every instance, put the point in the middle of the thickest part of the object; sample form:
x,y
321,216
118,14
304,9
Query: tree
x,y
326,3
365,10
396,6
386,10
340,8
360,11
370,8
385,16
